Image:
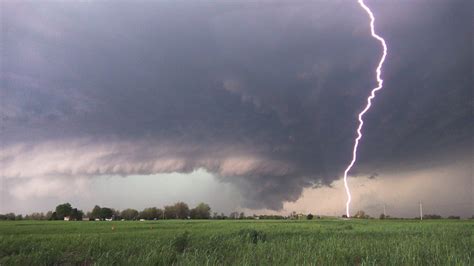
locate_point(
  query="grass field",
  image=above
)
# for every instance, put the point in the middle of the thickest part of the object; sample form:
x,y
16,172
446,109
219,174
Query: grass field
x,y
242,242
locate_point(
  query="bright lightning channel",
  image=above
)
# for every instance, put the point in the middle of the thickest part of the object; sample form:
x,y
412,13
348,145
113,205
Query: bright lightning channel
x,y
378,72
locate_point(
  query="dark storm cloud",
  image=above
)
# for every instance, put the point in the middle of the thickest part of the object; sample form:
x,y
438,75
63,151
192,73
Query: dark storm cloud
x,y
262,94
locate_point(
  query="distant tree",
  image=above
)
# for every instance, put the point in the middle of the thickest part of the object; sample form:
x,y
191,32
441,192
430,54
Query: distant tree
x,y
48,215
454,217
53,216
63,210
309,216
106,213
201,211
129,214
76,215
271,217
432,216
146,214
170,212
361,215
160,213
193,213
293,215
10,216
382,216
182,210
344,216
242,215
95,213
116,215
35,216
220,216
41,216
234,215
80,214
19,217
151,213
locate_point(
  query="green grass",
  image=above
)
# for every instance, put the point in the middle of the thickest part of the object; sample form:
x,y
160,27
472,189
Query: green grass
x,y
246,242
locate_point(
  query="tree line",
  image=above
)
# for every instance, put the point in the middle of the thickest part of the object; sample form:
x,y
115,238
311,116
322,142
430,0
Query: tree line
x,y
179,210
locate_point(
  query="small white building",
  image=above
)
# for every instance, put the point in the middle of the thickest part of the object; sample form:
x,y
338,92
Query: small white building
x,y
67,218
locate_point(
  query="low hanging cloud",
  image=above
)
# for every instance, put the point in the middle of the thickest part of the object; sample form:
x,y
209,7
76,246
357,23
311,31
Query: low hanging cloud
x,y
85,158
263,95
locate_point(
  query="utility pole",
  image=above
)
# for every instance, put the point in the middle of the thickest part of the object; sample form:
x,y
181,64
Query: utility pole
x,y
421,210
384,213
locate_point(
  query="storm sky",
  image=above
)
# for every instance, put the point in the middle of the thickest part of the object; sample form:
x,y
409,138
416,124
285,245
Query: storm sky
x,y
246,105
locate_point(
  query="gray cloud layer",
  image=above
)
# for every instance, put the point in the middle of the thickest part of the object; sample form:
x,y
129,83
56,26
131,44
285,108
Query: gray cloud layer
x,y
263,95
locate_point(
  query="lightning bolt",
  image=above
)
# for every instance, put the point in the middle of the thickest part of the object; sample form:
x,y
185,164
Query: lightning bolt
x,y
378,72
